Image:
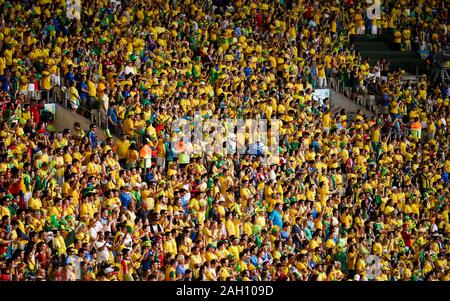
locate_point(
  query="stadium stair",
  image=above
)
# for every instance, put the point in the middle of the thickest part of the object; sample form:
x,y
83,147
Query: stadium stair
x,y
380,47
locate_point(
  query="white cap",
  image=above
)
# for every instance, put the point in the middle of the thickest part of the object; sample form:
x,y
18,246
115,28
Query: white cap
x,y
357,277
108,270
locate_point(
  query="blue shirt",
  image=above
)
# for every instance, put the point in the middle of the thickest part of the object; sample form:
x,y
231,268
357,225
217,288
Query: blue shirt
x,y
238,32
386,99
266,257
254,260
113,115
146,262
247,71
83,86
5,86
92,139
446,92
284,235
316,146
184,203
180,270
125,199
275,217
70,77
126,94
5,83
444,177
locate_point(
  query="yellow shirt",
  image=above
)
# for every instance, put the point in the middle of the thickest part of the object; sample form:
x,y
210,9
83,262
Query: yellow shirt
x,y
128,126
229,225
92,89
35,203
4,211
234,250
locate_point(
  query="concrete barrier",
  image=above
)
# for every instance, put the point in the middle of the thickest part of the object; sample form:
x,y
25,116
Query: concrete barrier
x,y
65,119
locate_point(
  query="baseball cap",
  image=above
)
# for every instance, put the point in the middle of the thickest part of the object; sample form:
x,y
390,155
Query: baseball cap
x,y
108,270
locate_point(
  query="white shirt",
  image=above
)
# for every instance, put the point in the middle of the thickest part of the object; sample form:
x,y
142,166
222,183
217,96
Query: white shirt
x,y
55,80
31,87
128,241
128,70
101,255
75,260
272,175
187,196
434,228
97,227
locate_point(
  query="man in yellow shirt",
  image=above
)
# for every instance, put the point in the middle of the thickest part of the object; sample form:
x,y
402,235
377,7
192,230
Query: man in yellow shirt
x,y
128,124
92,101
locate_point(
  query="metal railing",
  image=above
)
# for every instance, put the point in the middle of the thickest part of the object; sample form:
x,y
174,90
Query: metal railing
x,y
363,98
60,95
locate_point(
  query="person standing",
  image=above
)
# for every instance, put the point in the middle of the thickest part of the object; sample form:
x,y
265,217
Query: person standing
x,y
92,136
275,216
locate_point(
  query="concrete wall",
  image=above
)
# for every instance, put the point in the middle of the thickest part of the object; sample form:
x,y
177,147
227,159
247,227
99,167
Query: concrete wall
x,y
66,118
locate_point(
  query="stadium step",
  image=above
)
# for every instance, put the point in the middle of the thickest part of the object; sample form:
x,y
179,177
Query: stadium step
x,y
378,47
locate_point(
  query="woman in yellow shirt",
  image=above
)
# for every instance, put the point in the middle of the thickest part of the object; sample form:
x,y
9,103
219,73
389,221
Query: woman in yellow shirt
x,y
132,157
35,202
74,97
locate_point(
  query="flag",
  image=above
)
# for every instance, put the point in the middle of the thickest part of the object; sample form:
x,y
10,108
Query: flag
x,y
108,133
196,70
213,76
70,238
54,221
87,190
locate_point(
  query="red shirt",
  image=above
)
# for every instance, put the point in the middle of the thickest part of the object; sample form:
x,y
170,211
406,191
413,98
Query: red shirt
x,y
259,20
34,109
159,128
281,276
308,12
14,189
42,258
406,238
